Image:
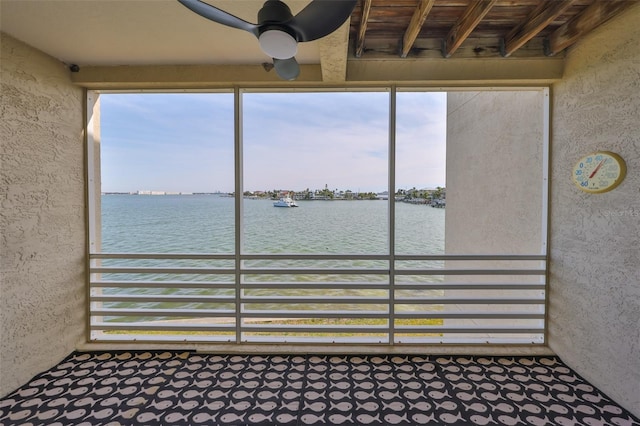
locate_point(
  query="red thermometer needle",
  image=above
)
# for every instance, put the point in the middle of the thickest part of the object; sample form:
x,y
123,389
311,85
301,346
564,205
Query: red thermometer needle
x,y
593,173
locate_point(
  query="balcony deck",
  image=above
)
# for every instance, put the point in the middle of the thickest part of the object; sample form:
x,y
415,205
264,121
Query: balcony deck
x,y
174,387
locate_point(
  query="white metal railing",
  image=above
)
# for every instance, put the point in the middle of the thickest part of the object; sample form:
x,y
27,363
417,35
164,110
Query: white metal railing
x,y
392,300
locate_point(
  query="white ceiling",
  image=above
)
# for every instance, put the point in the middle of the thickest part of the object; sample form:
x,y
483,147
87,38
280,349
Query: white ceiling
x,y
139,32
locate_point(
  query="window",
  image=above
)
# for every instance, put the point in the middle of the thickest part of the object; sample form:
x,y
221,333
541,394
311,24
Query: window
x,y
173,150
189,242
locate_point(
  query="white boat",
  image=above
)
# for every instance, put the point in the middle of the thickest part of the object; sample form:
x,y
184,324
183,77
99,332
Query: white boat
x,y
285,202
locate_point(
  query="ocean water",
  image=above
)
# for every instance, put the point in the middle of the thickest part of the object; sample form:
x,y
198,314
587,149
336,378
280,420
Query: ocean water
x,y
188,224
205,224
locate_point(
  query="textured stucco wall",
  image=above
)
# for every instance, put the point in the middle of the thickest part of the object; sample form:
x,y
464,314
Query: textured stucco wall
x,y
595,239
495,196
42,310
494,172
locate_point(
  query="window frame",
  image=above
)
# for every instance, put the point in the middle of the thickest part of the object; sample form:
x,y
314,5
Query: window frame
x,y
93,184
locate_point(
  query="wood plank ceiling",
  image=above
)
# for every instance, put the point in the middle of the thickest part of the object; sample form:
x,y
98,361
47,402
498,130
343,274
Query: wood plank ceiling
x,y
474,28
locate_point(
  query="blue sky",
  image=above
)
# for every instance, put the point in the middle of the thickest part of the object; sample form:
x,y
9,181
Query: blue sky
x,y
183,142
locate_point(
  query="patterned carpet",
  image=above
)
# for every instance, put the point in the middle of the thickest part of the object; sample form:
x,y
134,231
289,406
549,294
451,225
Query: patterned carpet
x,y
182,388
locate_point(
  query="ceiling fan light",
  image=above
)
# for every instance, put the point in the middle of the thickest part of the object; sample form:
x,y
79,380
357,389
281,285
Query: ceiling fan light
x,y
278,44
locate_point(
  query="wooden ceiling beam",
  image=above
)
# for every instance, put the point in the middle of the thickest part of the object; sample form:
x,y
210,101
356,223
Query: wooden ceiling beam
x,y
366,8
545,13
417,21
592,17
465,25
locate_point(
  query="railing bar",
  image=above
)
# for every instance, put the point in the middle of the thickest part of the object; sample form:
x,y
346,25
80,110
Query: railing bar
x,y
222,256
315,285
162,284
470,272
315,257
284,315
312,271
156,270
350,340
484,330
476,301
517,340
338,340
480,257
285,300
194,256
162,298
327,271
315,329
469,315
506,287
470,286
164,326
163,338
123,312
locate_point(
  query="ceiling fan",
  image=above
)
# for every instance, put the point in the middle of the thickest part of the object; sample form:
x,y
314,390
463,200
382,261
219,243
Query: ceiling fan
x,y
278,31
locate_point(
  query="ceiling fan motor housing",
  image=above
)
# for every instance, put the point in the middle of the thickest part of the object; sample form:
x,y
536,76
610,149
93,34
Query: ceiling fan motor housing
x,y
276,39
274,12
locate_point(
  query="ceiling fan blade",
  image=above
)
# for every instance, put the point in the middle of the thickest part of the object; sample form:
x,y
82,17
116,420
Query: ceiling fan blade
x,y
220,16
287,69
320,18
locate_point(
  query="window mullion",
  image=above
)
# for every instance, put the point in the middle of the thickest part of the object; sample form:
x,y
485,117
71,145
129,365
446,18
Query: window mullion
x,y
237,119
392,210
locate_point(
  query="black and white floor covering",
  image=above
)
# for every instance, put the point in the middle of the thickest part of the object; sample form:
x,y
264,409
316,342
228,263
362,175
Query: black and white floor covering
x,y
183,388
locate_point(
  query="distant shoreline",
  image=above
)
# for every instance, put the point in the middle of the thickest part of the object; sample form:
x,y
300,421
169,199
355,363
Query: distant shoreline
x,y
437,202
165,193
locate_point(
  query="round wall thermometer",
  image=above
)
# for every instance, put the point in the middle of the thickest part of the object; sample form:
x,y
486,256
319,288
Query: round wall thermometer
x,y
599,172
